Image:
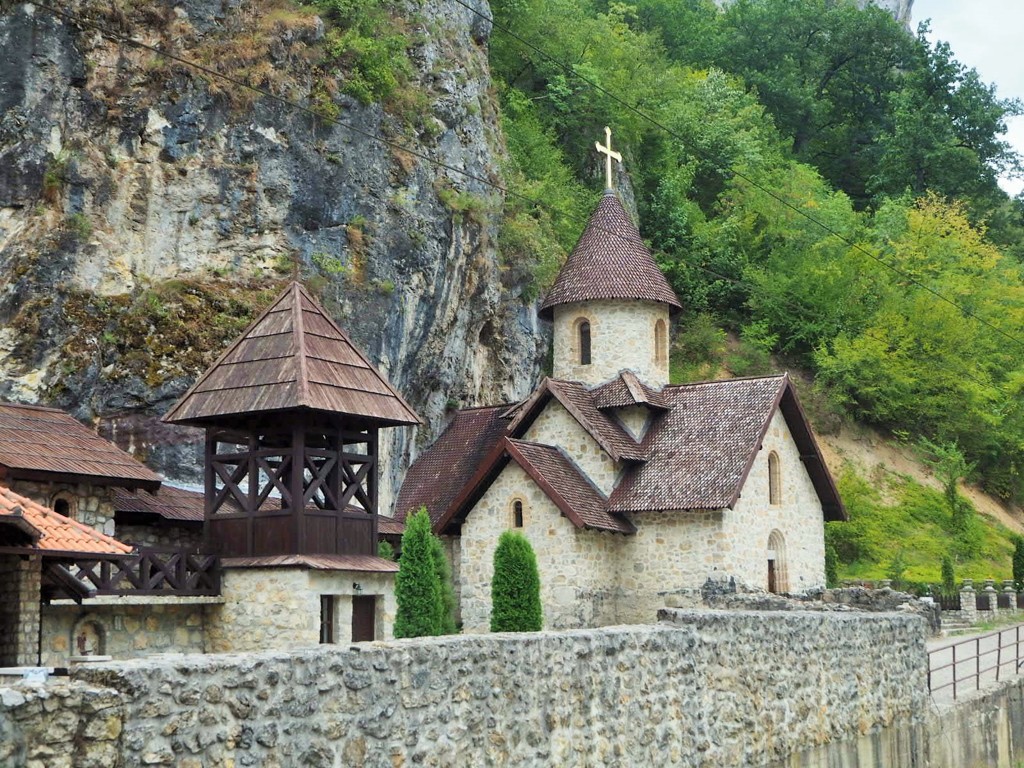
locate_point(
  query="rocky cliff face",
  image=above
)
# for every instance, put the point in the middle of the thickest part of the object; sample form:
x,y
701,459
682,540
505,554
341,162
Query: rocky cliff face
x,y
148,209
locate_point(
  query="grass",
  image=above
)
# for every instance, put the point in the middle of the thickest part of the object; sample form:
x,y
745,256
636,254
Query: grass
x,y
900,528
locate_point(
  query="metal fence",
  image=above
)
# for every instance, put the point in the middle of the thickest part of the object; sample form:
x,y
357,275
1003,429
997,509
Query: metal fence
x,y
984,659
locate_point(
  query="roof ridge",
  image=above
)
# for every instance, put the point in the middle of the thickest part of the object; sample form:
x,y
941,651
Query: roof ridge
x,y
32,406
706,382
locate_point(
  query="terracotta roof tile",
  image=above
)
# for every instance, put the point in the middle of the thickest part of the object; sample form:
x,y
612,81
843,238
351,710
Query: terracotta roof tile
x,y
56,532
444,469
168,502
35,439
564,483
699,452
610,261
293,356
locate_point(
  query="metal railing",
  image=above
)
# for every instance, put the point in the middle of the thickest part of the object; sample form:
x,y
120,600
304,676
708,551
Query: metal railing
x,y
980,660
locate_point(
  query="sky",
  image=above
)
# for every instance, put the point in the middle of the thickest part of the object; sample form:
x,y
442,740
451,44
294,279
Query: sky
x,y
985,35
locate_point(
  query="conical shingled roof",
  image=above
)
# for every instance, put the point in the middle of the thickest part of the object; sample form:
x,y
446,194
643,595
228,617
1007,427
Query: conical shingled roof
x,y
610,261
293,357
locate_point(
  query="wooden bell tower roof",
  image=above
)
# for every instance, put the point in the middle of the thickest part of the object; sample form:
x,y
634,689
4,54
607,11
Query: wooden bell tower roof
x,y
293,357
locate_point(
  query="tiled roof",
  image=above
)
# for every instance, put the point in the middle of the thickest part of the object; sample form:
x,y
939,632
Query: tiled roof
x,y
45,440
581,404
292,357
566,486
168,502
443,470
610,261
627,390
362,563
56,533
700,453
388,526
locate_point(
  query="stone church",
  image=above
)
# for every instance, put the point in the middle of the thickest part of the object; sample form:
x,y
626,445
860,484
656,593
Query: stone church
x,y
631,490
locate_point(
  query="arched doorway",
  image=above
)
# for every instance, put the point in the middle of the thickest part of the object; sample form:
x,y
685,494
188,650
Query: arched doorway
x,y
778,577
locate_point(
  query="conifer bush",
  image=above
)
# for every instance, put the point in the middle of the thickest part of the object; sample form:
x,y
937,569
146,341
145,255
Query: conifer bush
x,y
515,588
417,588
443,573
949,576
1018,561
385,550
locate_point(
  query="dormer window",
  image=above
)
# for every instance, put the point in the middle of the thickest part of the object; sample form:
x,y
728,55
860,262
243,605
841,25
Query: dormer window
x,y
774,480
583,337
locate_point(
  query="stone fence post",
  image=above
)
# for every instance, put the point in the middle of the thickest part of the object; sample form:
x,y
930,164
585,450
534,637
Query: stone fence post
x,y
968,605
990,594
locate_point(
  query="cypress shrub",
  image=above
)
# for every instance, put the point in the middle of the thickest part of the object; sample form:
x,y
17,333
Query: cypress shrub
x,y
385,550
1018,560
515,588
443,573
417,589
949,576
831,566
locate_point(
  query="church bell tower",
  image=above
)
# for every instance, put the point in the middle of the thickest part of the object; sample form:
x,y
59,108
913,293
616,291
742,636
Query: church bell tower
x,y
610,303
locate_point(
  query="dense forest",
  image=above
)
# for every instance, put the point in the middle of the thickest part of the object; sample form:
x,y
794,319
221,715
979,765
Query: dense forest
x,y
814,179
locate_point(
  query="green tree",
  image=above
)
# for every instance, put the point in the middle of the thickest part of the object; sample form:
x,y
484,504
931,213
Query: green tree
x,y
385,550
831,565
515,587
443,573
1018,561
948,576
417,587
947,461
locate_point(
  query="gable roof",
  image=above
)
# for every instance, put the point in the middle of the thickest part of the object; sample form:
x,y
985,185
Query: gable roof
x,y
627,390
293,356
50,533
443,470
170,503
610,261
700,452
582,406
39,443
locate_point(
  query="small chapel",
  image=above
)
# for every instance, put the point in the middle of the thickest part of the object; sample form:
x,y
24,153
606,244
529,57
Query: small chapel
x,y
632,491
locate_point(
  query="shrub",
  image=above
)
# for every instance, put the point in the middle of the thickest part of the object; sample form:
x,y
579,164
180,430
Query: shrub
x,y
515,588
417,588
831,566
949,576
1018,560
385,550
444,577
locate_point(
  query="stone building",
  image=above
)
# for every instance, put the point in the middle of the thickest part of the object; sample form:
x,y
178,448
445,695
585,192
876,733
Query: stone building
x,y
629,489
100,558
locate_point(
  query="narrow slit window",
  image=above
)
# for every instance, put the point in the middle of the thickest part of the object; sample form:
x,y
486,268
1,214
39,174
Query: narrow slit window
x,y
327,606
774,480
517,514
584,333
660,342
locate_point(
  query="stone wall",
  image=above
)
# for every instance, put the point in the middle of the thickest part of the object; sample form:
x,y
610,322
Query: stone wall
x,y
90,504
123,627
556,426
621,336
162,534
19,610
272,608
715,690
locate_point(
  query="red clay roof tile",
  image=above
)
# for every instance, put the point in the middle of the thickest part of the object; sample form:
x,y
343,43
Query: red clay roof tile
x,y
56,532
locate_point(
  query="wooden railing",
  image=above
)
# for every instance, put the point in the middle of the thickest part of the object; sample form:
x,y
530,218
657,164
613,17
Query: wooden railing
x,y
171,572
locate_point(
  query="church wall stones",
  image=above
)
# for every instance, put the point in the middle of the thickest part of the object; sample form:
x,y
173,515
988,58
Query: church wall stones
x,y
19,609
556,426
708,689
89,504
268,608
622,336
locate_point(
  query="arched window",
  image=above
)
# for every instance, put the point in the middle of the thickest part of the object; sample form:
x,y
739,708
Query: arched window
x,y
778,576
774,479
517,513
583,337
63,504
660,342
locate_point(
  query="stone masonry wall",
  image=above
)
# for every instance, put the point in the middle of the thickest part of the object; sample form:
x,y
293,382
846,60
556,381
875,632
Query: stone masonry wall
x,y
715,690
272,608
19,610
161,535
577,567
621,336
798,518
91,505
124,627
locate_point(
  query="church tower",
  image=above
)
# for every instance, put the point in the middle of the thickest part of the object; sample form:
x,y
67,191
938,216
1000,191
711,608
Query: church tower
x,y
610,303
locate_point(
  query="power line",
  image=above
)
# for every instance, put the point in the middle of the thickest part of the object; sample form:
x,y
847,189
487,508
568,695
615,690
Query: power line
x,y
568,68
124,39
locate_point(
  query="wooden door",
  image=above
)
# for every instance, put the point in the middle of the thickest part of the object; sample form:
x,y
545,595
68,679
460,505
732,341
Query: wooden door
x,y
364,608
771,576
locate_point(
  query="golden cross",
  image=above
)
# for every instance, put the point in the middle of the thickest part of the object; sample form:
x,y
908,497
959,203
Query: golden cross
x,y
607,150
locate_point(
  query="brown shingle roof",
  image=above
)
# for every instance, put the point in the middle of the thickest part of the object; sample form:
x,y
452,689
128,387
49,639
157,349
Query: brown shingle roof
x,y
56,533
610,261
363,563
582,406
45,440
168,502
627,390
443,470
566,486
388,526
293,356
700,452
